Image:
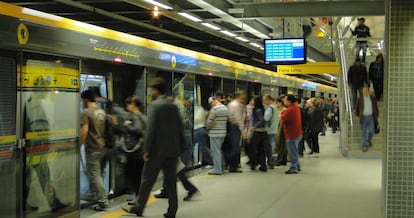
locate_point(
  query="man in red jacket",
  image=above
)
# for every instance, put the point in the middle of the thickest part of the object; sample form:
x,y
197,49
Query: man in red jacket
x,y
292,128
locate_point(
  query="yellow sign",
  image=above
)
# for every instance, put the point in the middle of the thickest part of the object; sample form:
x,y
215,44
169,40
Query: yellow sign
x,y
22,34
7,139
310,68
48,77
68,133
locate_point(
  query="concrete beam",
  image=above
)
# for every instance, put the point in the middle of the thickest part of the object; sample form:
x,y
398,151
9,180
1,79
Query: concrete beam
x,y
313,9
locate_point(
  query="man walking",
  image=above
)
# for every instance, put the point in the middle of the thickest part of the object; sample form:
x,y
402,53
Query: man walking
x,y
361,31
367,114
92,134
357,75
162,148
236,110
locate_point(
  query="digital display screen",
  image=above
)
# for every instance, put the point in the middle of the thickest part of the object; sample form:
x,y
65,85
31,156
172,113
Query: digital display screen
x,y
285,51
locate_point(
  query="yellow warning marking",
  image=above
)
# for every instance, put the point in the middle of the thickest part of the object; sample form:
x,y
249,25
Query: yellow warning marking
x,y
49,134
127,54
208,176
7,139
120,212
22,34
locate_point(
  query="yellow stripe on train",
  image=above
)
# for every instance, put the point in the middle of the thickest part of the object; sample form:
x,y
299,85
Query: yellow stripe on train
x,y
7,139
68,133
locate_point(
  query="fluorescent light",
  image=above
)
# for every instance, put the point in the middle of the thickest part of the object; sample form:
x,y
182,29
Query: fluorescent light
x,y
189,16
242,39
255,45
211,26
41,14
161,5
228,33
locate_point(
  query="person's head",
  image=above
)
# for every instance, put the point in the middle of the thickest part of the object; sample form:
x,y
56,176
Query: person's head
x,y
258,103
241,96
267,99
361,20
279,102
87,97
379,58
213,101
365,90
133,103
290,100
159,87
220,96
251,102
358,62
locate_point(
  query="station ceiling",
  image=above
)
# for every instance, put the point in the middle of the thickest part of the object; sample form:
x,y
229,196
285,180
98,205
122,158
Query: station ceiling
x,y
232,29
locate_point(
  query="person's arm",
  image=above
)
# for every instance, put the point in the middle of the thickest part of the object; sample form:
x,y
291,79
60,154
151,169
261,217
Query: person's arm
x,y
375,106
353,31
285,115
268,114
368,32
357,108
83,133
210,119
152,125
349,76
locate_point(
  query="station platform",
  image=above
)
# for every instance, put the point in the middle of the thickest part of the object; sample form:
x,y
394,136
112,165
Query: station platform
x,y
328,186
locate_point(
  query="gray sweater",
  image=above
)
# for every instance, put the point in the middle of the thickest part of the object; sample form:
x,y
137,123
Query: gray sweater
x,y
217,121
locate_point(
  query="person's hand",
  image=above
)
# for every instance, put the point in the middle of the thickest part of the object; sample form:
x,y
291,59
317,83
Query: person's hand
x,y
244,134
127,122
146,157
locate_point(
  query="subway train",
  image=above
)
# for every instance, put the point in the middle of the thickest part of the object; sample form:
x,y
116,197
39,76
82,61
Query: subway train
x,y
46,61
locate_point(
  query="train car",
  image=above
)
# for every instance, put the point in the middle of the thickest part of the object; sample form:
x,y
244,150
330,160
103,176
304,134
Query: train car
x,y
47,60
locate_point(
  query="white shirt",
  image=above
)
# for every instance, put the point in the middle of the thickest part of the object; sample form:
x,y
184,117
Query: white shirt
x,y
367,106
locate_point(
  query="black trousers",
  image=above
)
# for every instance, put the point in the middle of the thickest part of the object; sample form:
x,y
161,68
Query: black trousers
x,y
151,169
133,170
314,138
258,149
182,176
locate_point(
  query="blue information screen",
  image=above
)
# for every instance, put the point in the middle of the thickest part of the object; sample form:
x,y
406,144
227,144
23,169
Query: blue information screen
x,y
285,51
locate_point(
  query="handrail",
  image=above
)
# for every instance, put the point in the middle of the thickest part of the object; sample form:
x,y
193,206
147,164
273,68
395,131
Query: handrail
x,y
344,74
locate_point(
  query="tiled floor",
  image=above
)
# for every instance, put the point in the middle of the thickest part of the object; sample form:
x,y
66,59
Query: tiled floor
x,y
328,187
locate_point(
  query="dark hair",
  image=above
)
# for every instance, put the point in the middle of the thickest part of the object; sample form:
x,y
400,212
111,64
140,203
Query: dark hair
x,y
380,56
160,84
291,98
268,97
220,94
258,102
88,95
133,99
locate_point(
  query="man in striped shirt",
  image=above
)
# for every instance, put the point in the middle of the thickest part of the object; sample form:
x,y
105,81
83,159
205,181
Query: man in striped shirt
x,y
217,129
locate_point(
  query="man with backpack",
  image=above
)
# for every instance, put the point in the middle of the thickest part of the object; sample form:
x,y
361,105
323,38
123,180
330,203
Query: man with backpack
x,y
271,116
92,134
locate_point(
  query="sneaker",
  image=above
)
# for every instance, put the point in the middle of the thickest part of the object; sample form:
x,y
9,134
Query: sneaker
x,y
102,206
161,195
209,167
364,149
291,172
316,155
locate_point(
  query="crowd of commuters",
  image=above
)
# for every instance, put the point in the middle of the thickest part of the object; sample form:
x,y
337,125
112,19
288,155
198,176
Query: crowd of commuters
x,y
271,131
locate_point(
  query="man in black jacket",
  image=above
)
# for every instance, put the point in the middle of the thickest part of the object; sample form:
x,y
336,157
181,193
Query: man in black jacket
x,y
357,76
361,31
162,147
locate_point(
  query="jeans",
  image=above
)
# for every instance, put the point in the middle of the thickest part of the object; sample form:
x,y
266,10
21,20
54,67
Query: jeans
x,y
200,137
216,143
354,95
271,145
93,164
234,155
292,147
367,126
361,46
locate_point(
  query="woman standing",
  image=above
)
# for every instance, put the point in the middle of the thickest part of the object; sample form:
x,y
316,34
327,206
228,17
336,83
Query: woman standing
x,y
259,138
316,124
132,132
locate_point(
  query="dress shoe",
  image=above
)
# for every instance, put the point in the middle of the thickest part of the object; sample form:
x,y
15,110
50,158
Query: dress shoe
x,y
263,169
166,215
280,164
161,195
135,210
190,195
291,172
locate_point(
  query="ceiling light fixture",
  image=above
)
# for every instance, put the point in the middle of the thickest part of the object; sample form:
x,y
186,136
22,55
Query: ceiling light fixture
x,y
161,5
242,39
211,26
255,45
190,17
228,33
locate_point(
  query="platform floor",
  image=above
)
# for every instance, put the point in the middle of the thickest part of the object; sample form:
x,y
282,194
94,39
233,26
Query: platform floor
x,y
328,186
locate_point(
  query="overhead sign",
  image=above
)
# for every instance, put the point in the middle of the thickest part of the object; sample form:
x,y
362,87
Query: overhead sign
x,y
310,68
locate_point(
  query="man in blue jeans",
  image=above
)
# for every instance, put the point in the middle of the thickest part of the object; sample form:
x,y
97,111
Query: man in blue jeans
x,y
367,114
292,127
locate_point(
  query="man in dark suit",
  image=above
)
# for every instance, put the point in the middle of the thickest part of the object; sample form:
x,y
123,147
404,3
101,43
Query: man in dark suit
x,y
163,146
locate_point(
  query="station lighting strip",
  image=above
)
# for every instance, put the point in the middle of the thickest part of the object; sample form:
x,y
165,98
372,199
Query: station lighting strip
x,y
208,25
